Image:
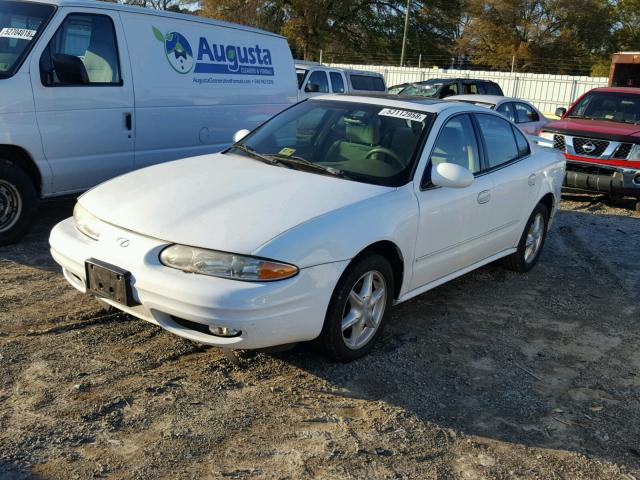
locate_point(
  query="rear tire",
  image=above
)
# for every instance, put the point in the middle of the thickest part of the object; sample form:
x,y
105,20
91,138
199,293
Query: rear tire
x,y
531,242
358,309
18,202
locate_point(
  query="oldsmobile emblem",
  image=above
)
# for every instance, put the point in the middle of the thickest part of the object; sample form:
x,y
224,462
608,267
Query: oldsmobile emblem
x,y
123,242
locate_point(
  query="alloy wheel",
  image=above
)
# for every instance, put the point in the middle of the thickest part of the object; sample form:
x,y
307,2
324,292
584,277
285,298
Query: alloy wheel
x,y
364,310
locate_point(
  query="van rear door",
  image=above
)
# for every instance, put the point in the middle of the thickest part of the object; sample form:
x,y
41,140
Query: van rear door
x,y
83,92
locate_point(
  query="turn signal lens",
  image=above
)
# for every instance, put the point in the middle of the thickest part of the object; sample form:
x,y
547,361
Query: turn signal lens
x,y
225,265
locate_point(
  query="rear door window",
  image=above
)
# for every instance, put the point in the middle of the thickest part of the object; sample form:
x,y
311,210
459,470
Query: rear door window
x,y
470,88
499,140
337,83
506,109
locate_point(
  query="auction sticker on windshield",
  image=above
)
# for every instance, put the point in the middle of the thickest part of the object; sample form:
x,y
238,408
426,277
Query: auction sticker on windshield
x,y
21,33
404,114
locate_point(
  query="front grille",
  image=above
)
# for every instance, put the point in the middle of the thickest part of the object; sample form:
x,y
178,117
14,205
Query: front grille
x,y
558,142
622,151
589,147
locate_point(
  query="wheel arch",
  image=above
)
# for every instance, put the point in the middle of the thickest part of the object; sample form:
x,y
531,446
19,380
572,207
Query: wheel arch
x,y
393,254
549,201
21,158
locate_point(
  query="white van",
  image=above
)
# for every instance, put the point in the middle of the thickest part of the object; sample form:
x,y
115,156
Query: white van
x,y
90,90
317,79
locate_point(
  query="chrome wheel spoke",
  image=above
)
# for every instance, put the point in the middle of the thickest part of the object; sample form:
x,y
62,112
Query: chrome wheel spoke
x,y
534,238
364,310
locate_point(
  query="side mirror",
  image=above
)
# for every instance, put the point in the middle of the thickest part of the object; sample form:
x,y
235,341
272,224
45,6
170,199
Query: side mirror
x,y
240,134
70,69
451,175
312,88
560,111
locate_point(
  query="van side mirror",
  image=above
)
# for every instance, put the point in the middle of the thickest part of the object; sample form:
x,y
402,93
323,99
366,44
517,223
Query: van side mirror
x,y
70,69
451,175
560,111
240,134
312,88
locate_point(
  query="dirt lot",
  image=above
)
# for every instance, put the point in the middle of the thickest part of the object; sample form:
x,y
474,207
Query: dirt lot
x,y
495,375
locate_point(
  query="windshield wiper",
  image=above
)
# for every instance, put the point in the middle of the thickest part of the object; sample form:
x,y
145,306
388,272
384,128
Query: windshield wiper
x,y
253,154
303,161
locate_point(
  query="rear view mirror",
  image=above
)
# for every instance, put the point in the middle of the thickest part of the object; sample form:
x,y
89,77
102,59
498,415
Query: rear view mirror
x,y
240,134
451,175
560,111
312,88
70,69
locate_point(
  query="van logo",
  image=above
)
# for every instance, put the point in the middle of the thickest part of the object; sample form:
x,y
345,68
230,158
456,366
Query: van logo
x,y
177,49
213,57
588,147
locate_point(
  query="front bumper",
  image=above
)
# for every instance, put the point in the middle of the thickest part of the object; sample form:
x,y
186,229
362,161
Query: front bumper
x,y
267,314
593,177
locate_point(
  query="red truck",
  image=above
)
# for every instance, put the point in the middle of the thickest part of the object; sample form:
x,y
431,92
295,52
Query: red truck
x,y
600,137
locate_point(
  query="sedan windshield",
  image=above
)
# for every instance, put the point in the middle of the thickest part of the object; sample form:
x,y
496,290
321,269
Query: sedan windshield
x,y
20,22
611,106
358,141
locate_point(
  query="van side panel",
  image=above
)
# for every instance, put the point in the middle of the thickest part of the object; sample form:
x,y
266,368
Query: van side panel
x,y
197,84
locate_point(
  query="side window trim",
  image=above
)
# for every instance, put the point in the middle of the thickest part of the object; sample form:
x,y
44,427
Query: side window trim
x,y
47,51
485,163
425,181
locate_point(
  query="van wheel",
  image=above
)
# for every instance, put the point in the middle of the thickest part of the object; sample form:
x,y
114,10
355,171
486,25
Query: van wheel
x,y
358,309
531,242
18,202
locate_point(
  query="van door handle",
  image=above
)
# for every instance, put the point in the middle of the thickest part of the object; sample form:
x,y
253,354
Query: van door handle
x,y
484,196
127,120
532,180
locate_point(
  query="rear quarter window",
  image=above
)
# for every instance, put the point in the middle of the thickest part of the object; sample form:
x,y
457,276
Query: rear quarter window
x,y
366,82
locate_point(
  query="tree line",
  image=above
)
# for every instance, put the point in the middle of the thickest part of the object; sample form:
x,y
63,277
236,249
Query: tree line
x,y
544,36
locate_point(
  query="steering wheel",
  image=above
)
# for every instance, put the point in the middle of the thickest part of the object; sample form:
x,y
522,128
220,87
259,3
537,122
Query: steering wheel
x,y
387,152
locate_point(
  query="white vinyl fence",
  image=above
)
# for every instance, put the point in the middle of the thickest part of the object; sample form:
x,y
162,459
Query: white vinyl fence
x,y
547,92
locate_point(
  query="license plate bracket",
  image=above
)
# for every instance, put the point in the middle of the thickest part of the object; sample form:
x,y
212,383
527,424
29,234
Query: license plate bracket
x,y
109,281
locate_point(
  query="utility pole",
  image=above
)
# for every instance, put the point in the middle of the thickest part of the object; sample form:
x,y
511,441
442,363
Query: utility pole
x,y
404,36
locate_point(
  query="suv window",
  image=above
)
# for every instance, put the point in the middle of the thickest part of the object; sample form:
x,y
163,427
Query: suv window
x,y
320,79
506,109
337,83
449,89
499,140
470,88
367,82
82,52
525,114
493,88
456,143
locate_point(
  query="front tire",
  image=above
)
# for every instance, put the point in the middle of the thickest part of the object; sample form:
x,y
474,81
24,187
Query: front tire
x,y
358,309
531,242
18,202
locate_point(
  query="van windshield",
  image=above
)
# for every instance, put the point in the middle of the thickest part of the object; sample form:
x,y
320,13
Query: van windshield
x,y
20,24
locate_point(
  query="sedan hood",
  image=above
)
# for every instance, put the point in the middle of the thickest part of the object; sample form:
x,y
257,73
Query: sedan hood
x,y
222,201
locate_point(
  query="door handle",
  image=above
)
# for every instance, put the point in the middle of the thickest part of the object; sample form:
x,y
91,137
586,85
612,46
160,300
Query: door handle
x,y
484,196
532,180
127,120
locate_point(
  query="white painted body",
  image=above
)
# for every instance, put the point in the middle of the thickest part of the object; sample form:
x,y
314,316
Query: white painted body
x,y
331,74
494,102
318,223
76,136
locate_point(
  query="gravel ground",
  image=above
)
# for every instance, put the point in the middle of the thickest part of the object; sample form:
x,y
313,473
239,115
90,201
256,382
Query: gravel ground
x,y
494,375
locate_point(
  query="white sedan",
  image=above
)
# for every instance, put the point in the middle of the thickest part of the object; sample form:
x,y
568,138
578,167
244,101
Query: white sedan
x,y
315,224
522,113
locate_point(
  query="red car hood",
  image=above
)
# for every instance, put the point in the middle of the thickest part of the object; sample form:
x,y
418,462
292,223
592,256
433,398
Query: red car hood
x,y
596,129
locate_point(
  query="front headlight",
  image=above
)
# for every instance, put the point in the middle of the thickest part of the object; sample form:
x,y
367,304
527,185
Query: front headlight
x,y
547,135
225,265
634,154
86,222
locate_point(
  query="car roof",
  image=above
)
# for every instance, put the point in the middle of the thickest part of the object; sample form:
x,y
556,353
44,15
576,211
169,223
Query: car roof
x,y
429,105
149,11
633,90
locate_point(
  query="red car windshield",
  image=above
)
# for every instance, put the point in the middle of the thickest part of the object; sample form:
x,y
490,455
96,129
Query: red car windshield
x,y
608,106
